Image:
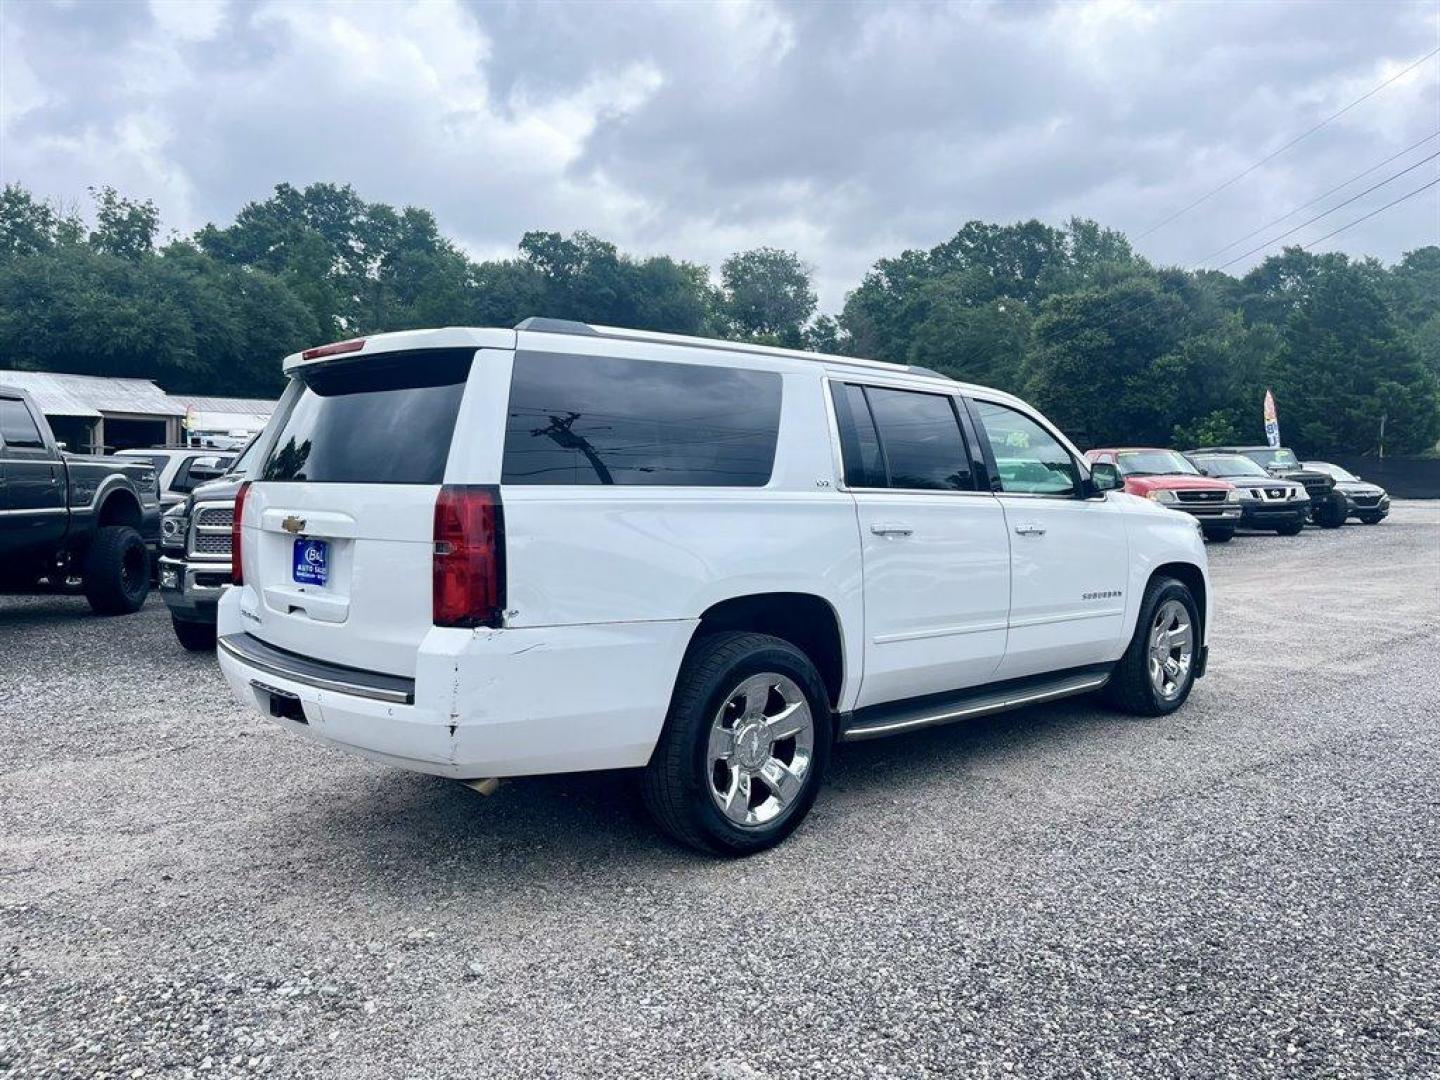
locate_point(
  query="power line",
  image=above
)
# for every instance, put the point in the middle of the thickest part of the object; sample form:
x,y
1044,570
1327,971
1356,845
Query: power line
x,y
1323,195
1274,154
1367,217
1327,213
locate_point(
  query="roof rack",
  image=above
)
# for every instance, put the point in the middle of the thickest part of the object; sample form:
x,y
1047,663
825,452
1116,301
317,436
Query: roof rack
x,y
618,333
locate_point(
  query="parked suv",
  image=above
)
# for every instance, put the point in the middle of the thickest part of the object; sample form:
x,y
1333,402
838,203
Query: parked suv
x,y
1327,506
1265,502
195,559
1167,477
483,553
1366,501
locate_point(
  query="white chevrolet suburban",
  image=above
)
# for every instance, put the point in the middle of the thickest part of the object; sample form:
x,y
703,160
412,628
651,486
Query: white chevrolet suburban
x,y
482,553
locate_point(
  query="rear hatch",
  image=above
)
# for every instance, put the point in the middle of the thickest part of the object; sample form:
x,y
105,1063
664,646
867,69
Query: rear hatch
x,y
339,531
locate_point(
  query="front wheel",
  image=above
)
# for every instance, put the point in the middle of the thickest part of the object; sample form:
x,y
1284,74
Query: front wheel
x,y
1220,536
117,571
744,748
1370,519
1329,517
1292,529
1155,675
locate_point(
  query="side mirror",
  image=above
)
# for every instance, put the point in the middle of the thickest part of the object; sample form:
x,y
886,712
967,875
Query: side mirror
x,y
1105,477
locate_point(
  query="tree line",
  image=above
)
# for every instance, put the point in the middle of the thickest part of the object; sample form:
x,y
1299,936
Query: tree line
x,y
1114,349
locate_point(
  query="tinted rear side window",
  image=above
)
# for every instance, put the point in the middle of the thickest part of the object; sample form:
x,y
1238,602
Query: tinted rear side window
x,y
613,420
386,420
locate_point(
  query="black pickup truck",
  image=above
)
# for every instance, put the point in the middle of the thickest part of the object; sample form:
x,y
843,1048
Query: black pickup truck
x,y
70,520
1328,506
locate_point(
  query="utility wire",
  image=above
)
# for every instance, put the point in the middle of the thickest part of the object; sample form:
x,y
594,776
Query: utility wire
x,y
1323,195
1367,217
1276,153
1327,213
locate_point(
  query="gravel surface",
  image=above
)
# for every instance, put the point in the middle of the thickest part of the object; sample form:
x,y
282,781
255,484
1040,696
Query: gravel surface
x,y
1250,888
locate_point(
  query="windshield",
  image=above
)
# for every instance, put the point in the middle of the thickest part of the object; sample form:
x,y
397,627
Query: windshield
x,y
1333,471
1228,465
1275,459
243,459
1153,463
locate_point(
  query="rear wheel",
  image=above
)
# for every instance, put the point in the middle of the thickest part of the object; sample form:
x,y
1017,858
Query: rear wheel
x,y
1155,675
1292,529
1220,535
744,748
195,636
117,571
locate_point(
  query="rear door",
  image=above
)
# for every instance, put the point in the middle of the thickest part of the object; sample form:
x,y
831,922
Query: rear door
x,y
936,556
1069,565
339,520
32,482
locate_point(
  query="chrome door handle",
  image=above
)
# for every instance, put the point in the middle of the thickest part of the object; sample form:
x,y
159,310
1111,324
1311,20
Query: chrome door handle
x,y
1030,530
891,529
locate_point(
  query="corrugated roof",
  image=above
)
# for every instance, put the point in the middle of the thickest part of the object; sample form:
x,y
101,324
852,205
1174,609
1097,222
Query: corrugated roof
x,y
247,406
92,395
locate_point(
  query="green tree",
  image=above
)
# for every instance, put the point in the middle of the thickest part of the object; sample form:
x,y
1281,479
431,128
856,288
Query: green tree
x,y
123,227
767,295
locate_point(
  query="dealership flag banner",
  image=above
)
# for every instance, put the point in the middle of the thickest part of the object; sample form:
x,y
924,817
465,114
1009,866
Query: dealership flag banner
x,y
1272,424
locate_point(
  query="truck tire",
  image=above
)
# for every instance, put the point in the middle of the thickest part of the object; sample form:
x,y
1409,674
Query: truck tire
x,y
195,636
1330,516
1293,529
744,748
1220,535
117,571
1157,672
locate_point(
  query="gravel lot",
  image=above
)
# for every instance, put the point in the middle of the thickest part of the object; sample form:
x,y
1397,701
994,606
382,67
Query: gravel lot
x,y
1250,888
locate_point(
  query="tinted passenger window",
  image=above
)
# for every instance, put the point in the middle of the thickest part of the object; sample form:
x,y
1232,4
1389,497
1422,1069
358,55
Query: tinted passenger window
x,y
386,420
1028,458
613,420
920,438
17,426
859,445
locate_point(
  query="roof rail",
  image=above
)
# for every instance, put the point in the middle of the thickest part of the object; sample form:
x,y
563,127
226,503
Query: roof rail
x,y
620,333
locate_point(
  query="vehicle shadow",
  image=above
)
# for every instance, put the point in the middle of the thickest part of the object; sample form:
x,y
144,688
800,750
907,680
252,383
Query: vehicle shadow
x,y
542,829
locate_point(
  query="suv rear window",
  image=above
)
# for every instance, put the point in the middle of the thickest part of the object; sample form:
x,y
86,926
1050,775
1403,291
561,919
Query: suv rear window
x,y
382,420
613,420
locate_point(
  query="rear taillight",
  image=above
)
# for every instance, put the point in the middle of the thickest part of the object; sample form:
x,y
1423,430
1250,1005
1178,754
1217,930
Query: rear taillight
x,y
336,349
237,559
469,567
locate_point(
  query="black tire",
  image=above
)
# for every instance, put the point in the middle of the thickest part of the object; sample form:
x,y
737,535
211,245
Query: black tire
x,y
1290,530
1220,536
676,784
195,636
117,571
1330,517
1130,688
1370,519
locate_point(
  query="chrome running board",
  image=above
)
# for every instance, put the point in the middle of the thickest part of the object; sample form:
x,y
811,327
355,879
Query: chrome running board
x,y
894,717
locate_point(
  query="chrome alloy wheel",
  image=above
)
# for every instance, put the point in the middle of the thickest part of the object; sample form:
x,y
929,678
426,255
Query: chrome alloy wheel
x,y
1172,649
762,742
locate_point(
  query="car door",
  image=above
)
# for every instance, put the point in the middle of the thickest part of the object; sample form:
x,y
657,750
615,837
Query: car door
x,y
32,495
935,551
1069,565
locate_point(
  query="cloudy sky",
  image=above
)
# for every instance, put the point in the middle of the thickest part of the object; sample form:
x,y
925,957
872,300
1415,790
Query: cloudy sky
x,y
843,131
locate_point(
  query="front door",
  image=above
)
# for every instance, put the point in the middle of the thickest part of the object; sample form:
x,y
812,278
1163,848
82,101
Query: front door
x,y
935,552
1069,565
32,495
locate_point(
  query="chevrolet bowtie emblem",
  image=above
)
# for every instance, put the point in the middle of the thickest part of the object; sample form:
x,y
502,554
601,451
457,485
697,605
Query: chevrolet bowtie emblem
x,y
293,524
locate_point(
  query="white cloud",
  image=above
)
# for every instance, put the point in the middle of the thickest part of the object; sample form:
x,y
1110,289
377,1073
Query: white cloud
x,y
846,132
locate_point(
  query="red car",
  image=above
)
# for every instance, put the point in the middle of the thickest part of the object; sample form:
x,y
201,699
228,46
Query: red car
x,y
1167,477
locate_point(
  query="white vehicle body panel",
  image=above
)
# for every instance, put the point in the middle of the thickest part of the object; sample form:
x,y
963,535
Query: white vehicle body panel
x,y
606,585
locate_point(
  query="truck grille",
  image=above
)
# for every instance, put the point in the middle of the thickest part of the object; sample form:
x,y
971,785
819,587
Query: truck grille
x,y
1317,488
1201,496
209,535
